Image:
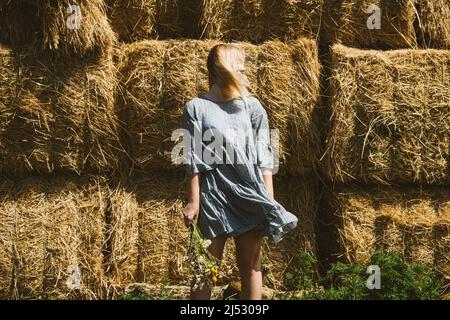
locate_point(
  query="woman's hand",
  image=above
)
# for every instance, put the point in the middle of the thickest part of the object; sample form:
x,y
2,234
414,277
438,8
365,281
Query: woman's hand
x,y
191,213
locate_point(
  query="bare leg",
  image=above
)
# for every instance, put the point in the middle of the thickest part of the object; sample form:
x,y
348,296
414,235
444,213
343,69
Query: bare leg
x,y
216,249
248,254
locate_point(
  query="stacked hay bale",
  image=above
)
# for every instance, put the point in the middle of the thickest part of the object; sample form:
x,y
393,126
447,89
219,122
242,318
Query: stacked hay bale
x,y
57,98
74,27
390,219
391,116
58,140
433,29
259,20
253,21
52,234
135,20
388,147
149,240
58,117
403,23
285,79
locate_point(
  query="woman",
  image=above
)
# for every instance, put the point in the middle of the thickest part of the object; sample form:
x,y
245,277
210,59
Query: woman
x,y
231,192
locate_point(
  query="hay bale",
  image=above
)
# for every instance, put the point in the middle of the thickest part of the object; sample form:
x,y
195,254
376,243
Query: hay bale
x,y
285,80
302,200
404,24
418,233
259,20
25,131
181,84
389,229
6,238
31,213
303,146
85,133
18,21
389,219
163,237
294,19
170,15
142,73
390,116
157,247
49,225
136,20
275,87
441,232
57,115
162,199
49,22
346,21
133,20
433,30
75,237
123,225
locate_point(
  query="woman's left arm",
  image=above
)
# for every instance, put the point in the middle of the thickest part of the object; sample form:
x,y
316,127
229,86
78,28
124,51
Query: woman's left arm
x,y
260,124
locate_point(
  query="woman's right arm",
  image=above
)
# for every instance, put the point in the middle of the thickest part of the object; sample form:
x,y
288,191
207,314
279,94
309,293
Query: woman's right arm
x,y
192,209
192,126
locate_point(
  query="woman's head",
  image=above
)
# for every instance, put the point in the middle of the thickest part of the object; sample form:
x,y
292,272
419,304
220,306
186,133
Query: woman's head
x,y
226,66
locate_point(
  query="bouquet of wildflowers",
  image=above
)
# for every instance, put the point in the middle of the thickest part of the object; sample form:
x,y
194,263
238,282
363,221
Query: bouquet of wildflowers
x,y
206,269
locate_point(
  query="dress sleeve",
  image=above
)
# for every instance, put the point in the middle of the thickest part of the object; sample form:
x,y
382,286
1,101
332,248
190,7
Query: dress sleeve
x,y
192,132
261,131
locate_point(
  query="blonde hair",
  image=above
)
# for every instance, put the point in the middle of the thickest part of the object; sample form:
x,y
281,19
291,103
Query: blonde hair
x,y
222,68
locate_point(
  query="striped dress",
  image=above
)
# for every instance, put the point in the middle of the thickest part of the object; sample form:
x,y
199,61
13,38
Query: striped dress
x,y
228,143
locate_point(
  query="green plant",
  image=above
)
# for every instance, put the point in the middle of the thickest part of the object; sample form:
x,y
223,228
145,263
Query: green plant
x,y
399,281
304,275
136,295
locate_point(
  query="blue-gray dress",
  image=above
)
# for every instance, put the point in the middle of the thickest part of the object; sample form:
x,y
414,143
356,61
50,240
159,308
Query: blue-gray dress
x,y
233,195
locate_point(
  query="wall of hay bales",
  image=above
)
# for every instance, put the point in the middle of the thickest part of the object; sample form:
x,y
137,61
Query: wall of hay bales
x,y
386,158
86,116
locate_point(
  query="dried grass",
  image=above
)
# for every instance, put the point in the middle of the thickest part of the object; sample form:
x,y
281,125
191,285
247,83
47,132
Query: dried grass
x,y
123,224
51,224
133,20
441,232
345,21
391,116
396,220
148,240
6,237
136,20
404,24
57,114
433,29
44,23
75,237
259,20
